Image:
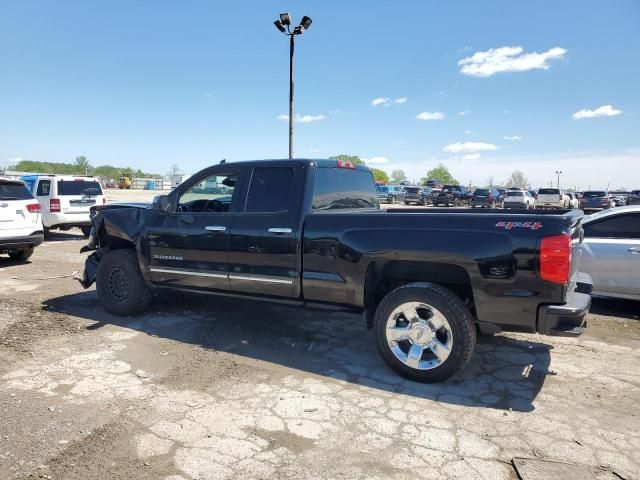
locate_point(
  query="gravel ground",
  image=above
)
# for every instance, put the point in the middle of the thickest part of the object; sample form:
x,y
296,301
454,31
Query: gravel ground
x,y
205,388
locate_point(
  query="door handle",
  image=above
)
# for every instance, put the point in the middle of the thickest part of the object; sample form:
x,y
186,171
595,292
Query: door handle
x,y
280,230
634,250
215,228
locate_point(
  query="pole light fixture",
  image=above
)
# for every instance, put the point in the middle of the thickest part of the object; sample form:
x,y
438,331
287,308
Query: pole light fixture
x,y
558,172
283,24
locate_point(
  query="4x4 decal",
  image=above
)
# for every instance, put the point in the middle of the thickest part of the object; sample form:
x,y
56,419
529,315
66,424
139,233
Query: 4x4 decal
x,y
511,225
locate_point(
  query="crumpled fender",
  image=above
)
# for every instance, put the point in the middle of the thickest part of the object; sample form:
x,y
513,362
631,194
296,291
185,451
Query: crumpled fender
x,y
112,226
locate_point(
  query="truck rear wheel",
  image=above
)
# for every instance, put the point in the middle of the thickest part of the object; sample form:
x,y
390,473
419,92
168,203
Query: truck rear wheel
x,y
121,288
424,332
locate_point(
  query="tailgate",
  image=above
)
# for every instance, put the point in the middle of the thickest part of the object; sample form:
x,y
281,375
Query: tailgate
x,y
548,198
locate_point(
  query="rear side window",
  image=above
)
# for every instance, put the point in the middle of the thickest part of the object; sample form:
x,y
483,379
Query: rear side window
x,y
337,188
618,226
44,187
14,191
270,190
79,187
548,191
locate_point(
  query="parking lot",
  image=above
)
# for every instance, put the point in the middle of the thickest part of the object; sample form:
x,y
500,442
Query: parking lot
x,y
202,387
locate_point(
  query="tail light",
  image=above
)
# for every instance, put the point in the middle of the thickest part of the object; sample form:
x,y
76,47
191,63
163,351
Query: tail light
x,y
34,208
605,200
555,259
54,205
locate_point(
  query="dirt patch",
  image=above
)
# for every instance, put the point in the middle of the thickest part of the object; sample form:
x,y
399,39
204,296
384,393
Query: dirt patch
x,y
106,453
26,324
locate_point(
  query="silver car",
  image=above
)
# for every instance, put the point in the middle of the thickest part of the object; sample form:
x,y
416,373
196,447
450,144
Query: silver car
x,y
611,252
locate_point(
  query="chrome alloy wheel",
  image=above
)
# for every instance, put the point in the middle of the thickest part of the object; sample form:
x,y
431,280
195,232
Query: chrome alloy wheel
x,y
419,335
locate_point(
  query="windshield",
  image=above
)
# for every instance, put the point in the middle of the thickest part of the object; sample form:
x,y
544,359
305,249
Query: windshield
x,y
594,194
14,191
78,187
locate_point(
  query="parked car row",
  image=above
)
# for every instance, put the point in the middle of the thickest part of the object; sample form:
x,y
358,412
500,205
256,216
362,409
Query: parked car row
x,y
32,206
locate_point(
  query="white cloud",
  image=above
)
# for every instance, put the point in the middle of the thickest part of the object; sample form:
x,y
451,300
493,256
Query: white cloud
x,y
379,101
374,160
469,147
441,92
512,137
469,132
314,150
302,118
387,102
507,59
430,116
464,112
603,111
471,156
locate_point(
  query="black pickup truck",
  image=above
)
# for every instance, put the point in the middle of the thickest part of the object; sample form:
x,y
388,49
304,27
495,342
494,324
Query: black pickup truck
x,y
311,233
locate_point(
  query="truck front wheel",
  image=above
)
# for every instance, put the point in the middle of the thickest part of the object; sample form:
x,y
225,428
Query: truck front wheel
x,y
121,288
424,332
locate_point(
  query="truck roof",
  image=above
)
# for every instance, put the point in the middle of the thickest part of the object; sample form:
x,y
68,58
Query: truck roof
x,y
322,162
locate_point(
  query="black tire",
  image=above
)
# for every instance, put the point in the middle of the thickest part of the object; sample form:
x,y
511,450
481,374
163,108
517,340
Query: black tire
x,y
86,230
393,200
459,318
425,202
493,205
406,203
22,254
121,288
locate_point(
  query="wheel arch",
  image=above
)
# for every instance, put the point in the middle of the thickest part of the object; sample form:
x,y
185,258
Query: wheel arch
x,y
384,277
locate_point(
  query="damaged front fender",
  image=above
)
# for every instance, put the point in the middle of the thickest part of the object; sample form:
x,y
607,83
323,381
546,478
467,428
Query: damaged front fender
x,y
113,226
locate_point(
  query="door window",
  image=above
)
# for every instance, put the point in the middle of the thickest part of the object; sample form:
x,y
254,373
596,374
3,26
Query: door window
x,y
212,194
618,226
270,190
43,188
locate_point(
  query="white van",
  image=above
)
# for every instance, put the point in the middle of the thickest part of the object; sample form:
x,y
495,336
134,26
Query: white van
x,y
65,200
20,220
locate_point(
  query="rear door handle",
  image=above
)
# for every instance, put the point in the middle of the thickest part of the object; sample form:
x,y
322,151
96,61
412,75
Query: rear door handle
x,y
280,230
634,250
215,228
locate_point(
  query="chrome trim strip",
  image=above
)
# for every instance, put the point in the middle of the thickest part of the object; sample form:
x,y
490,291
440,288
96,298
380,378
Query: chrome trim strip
x,y
261,279
280,230
188,272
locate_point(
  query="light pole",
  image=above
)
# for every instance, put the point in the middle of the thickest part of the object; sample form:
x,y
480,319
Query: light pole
x,y
283,24
558,172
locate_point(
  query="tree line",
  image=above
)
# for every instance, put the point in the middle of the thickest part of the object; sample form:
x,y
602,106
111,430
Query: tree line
x,y
80,166
440,174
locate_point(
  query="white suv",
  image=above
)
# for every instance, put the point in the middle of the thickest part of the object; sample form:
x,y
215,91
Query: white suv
x,y
552,198
20,220
65,200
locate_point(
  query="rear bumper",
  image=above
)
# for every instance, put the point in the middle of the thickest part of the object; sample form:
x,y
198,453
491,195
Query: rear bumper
x,y
569,319
55,220
514,205
19,243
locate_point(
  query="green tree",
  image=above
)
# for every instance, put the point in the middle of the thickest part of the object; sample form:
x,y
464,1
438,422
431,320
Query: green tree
x,y
517,179
441,174
81,164
348,158
380,176
398,175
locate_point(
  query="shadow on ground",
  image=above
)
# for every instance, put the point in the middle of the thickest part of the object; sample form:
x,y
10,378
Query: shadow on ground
x,y
62,235
504,373
616,307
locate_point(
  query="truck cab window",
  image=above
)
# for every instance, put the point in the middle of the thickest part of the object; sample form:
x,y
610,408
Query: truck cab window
x,y
269,190
212,194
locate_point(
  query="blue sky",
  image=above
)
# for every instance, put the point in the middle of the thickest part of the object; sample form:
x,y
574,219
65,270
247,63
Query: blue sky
x,y
155,83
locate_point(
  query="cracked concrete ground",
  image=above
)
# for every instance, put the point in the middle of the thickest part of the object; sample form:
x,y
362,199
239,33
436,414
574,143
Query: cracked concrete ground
x,y
204,388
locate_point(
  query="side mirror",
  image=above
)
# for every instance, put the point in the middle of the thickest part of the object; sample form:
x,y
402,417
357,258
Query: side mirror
x,y
160,202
